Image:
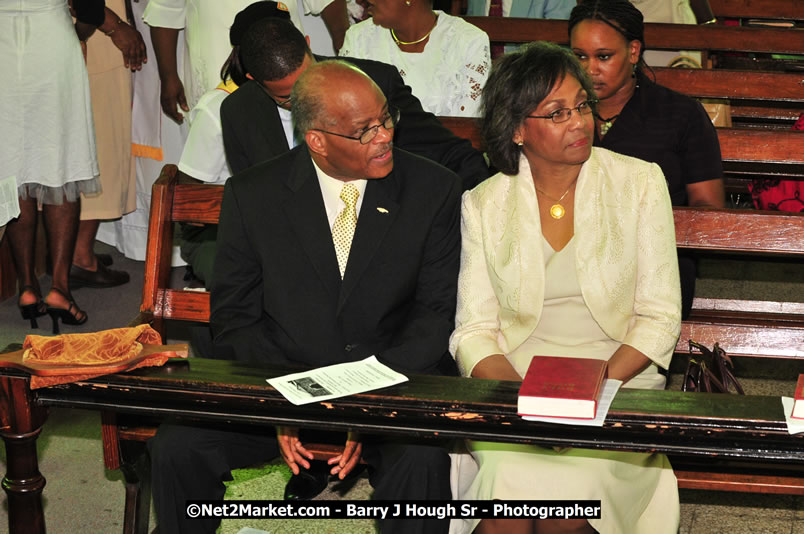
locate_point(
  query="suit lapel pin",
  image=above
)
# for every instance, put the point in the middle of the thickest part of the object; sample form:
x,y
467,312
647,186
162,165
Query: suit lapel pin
x,y
382,210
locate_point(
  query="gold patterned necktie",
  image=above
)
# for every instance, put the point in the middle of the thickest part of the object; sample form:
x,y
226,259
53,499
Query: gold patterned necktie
x,y
345,223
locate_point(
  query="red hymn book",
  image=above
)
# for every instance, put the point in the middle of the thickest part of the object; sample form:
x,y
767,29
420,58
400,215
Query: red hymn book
x,y
798,402
562,387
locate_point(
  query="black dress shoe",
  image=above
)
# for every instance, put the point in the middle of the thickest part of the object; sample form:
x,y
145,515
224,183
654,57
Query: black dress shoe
x,y
103,277
308,483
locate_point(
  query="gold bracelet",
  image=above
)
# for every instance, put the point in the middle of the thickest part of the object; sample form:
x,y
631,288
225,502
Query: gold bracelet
x,y
119,21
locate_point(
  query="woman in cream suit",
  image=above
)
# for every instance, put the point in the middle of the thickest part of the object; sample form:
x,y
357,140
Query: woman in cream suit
x,y
568,251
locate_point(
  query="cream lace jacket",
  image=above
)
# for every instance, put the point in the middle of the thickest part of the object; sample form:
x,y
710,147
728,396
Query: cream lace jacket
x,y
625,259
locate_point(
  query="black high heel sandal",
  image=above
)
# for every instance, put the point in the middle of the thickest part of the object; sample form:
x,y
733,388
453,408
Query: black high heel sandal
x,y
66,315
33,310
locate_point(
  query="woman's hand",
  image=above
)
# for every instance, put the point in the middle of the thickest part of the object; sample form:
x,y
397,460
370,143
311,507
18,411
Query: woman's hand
x,y
496,367
129,41
626,363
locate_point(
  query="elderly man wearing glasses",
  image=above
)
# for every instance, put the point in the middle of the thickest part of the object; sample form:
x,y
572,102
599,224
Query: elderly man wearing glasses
x,y
342,248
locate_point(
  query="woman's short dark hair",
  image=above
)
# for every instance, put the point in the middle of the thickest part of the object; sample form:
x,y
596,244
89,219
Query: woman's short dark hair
x,y
621,15
519,81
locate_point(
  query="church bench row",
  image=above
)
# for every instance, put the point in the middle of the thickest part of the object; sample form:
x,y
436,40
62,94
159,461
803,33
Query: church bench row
x,y
748,325
747,431
762,98
766,98
746,328
757,98
763,9
182,202
746,153
658,36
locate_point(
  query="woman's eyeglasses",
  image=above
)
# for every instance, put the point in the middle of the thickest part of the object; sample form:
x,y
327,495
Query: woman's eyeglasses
x,y
563,114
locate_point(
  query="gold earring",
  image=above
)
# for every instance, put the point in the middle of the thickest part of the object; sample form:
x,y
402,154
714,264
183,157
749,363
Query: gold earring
x,y
407,3
520,143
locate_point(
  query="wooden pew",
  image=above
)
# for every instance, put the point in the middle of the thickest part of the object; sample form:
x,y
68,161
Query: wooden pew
x,y
764,9
658,36
757,98
711,427
173,201
746,153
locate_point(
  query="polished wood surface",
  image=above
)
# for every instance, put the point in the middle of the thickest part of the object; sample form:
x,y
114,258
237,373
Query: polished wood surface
x,y
658,36
705,426
733,84
211,390
740,231
766,9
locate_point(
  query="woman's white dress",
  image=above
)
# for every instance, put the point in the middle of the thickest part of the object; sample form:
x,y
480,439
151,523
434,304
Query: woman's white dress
x,y
447,77
45,108
638,492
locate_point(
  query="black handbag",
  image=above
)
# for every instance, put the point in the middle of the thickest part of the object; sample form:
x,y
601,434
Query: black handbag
x,y
711,371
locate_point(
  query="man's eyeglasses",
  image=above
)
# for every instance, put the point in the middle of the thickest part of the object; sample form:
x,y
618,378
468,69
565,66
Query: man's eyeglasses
x,y
563,115
370,132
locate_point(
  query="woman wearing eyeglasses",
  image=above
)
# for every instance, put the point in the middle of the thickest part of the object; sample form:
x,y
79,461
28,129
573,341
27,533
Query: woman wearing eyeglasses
x,y
569,251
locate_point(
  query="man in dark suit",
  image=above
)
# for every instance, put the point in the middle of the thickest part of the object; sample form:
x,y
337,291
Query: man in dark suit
x,y
257,126
342,248
255,118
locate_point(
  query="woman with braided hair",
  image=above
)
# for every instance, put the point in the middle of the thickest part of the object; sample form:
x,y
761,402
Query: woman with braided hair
x,y
639,118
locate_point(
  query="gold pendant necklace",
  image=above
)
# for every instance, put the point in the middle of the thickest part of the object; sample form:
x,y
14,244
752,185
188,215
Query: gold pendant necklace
x,y
606,124
399,42
557,211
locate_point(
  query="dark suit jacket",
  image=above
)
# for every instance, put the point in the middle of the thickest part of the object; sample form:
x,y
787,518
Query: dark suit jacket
x,y
252,131
277,294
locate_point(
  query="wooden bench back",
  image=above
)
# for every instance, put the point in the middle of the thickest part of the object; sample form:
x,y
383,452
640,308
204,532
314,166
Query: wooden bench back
x,y
766,99
658,36
764,9
766,330
745,152
178,202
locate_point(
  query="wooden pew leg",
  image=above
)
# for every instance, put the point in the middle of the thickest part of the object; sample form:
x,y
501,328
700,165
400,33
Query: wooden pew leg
x,y
136,469
22,422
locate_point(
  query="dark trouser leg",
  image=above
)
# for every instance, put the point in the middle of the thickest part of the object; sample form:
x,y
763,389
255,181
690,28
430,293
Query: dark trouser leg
x,y
191,463
198,248
406,471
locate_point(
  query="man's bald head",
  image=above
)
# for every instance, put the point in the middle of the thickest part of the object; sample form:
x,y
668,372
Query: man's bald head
x,y
323,88
342,115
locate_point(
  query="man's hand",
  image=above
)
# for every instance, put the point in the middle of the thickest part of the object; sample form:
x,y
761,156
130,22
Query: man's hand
x,y
129,41
291,449
348,459
172,96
